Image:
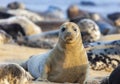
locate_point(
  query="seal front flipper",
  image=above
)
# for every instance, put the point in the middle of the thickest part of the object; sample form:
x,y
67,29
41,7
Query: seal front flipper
x,y
42,79
43,75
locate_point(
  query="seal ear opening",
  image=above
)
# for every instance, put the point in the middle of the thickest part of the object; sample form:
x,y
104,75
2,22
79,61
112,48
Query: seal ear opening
x,y
68,33
75,29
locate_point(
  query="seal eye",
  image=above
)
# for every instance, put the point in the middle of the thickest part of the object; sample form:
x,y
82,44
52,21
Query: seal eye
x,y
63,29
74,29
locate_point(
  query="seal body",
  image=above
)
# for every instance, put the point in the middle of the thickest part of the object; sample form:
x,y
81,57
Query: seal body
x,y
27,26
89,30
13,74
114,76
104,55
66,62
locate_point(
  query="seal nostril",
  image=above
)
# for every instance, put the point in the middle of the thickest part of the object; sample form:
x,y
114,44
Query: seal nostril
x,y
68,33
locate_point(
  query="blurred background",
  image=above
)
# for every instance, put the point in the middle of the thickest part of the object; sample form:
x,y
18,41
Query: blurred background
x,y
101,6
48,15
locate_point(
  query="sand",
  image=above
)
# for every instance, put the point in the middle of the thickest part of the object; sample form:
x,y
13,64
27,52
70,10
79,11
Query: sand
x,y
111,37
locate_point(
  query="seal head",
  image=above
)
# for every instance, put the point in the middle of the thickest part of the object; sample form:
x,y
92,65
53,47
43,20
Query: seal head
x,y
69,32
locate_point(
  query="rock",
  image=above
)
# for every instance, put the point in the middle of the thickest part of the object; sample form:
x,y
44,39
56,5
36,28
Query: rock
x,y
28,14
106,28
4,37
117,22
87,3
16,5
105,25
4,15
74,12
114,16
53,12
96,16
